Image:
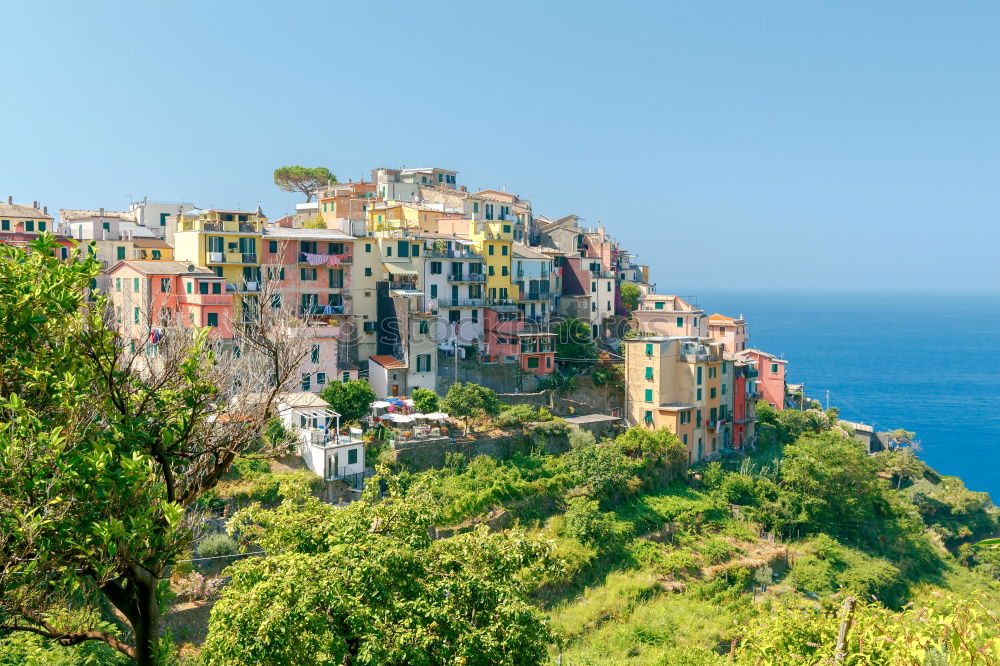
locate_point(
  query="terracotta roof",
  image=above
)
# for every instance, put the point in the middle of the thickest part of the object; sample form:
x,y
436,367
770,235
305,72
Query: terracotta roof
x,y
151,242
17,210
720,317
387,362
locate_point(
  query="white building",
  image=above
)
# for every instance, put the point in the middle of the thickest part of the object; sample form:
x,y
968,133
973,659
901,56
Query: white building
x,y
453,281
325,451
153,215
535,279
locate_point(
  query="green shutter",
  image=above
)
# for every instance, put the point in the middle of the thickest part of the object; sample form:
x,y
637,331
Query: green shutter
x,y
649,395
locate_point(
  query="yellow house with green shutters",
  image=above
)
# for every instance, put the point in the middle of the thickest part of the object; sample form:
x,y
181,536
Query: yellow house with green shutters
x,y
228,242
494,239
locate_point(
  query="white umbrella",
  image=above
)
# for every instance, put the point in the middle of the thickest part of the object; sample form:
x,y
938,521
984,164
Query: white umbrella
x,y
436,416
408,402
402,418
380,404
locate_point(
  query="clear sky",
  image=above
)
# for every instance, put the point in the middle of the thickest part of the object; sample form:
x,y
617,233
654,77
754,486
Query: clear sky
x,y
837,145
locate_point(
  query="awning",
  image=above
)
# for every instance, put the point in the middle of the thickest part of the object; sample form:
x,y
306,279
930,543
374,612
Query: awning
x,y
400,267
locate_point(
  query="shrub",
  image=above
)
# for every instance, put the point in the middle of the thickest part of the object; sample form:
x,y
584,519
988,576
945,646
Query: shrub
x,y
811,574
215,545
516,416
585,522
425,400
579,437
249,468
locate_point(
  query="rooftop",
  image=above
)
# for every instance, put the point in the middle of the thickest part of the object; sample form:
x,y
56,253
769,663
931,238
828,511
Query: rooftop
x,y
17,210
525,252
302,399
293,233
387,362
151,242
165,268
66,214
592,418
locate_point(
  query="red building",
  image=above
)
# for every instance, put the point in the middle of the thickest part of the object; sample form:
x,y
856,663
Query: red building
x,y
538,352
744,388
20,225
770,376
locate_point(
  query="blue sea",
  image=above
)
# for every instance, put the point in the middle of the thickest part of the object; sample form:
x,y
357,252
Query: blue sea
x,y
924,362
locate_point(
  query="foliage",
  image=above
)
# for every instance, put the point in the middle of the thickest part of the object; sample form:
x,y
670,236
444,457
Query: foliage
x,y
425,400
585,522
902,464
467,401
216,545
367,585
574,346
660,443
579,437
520,414
607,472
307,180
630,296
351,399
557,382
316,223
196,587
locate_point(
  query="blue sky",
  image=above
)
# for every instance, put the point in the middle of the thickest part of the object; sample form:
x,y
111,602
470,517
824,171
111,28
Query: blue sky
x,y
848,145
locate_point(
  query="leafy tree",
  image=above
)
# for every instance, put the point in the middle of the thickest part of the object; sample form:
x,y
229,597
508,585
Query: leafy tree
x,y
659,443
105,443
368,585
574,346
315,223
630,296
466,401
900,437
352,399
903,464
585,522
307,180
425,400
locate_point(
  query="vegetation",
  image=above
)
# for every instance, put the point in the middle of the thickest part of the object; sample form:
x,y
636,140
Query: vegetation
x,y
630,296
425,400
468,401
574,346
316,223
307,180
351,399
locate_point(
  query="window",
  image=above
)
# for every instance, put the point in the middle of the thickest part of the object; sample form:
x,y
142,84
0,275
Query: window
x,y
368,271
415,252
188,283
4,225
491,272
213,318
698,372
423,362
685,440
307,274
29,225
352,456
506,228
698,395
475,316
609,286
723,368
658,305
41,225
272,247
346,377
156,255
425,327
774,368
306,381
191,317
648,418
216,287
368,247
712,392
503,250
697,419
503,270
723,389
276,301
202,287
454,316
649,395
121,253
135,285
532,362
489,249
118,284
680,322
593,287
314,357
435,268
475,207
649,372
434,291
649,350
165,285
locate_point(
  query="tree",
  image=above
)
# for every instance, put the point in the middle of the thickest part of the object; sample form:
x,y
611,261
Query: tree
x,y
367,584
352,399
106,442
425,400
574,346
630,296
903,464
900,437
307,180
466,401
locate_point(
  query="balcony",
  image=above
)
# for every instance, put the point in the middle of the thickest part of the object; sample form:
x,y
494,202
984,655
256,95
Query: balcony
x,y
502,304
536,295
460,302
466,277
228,227
242,287
345,258
453,254
403,284
232,258
324,310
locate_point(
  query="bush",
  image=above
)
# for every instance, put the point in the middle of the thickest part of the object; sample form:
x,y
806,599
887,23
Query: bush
x,y
425,400
516,416
811,574
585,522
249,468
579,437
215,545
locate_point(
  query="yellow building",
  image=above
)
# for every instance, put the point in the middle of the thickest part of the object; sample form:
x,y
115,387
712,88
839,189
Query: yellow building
x,y
151,249
229,243
495,241
682,384
396,215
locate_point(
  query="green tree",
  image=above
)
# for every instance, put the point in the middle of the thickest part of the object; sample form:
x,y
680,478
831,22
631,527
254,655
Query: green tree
x,y
574,346
315,223
368,585
104,444
425,400
307,180
352,399
630,296
903,464
467,401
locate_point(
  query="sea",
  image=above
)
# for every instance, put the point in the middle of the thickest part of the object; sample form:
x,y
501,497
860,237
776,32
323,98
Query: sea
x,y
926,362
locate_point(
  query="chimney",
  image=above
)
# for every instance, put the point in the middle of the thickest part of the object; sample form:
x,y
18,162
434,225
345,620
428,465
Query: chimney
x,y
10,198
34,204
45,210
102,213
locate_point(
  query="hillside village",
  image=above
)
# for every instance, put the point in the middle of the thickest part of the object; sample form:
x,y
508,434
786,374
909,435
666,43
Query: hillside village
x,y
412,282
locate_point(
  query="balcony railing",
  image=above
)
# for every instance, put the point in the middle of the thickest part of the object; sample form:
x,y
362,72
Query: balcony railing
x,y
466,277
453,254
324,310
460,302
536,295
502,304
345,258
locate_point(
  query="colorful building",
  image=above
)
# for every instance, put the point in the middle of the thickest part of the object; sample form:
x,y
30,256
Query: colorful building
x,y
229,243
669,316
536,283
538,352
730,332
494,240
453,280
744,415
678,383
770,376
20,225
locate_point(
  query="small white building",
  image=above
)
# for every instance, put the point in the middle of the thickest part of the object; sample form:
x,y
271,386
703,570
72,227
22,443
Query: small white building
x,y
325,451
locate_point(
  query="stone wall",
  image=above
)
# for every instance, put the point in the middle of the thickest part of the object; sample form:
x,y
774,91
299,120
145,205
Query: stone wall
x,y
587,398
418,456
539,399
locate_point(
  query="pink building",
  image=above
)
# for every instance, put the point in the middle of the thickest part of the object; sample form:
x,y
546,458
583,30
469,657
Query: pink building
x,y
310,269
669,316
500,329
538,352
770,376
147,294
730,332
